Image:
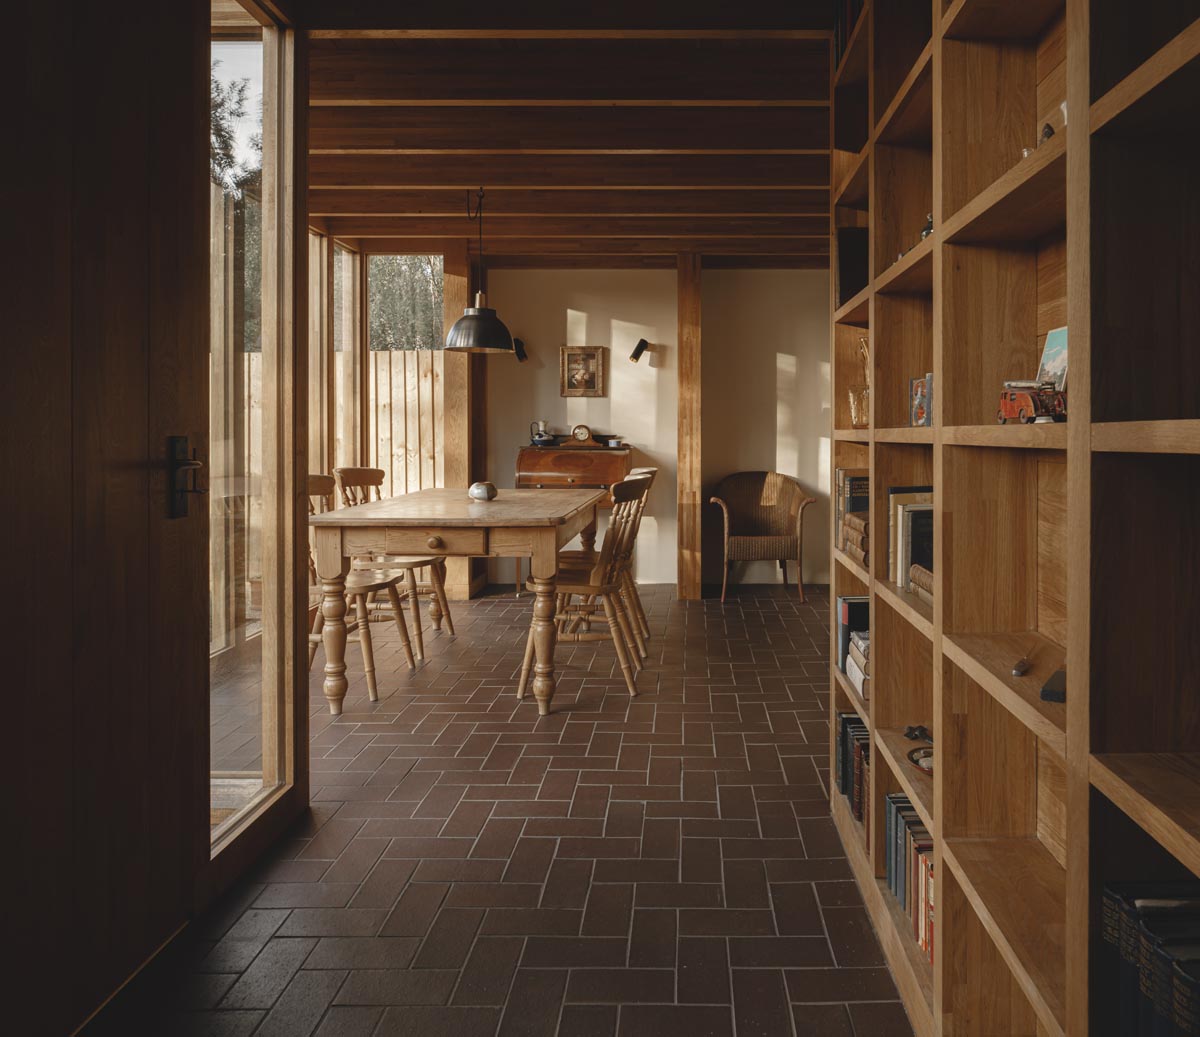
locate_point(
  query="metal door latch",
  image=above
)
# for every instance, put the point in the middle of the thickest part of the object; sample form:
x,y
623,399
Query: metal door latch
x,y
183,470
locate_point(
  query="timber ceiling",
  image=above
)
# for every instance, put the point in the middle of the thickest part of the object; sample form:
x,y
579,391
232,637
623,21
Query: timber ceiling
x,y
611,134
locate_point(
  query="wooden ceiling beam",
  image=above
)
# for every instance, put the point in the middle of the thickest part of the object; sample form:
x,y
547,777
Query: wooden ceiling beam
x,y
503,228
608,262
589,128
523,202
571,34
629,246
622,15
550,171
578,69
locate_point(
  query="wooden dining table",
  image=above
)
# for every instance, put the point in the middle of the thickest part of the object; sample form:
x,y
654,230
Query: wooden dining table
x,y
533,524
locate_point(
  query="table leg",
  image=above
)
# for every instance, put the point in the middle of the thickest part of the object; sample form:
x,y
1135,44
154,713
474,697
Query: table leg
x,y
543,569
587,538
332,567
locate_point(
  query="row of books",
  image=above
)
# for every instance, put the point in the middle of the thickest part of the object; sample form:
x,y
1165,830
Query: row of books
x,y
853,617
852,763
909,855
910,531
920,582
1151,957
858,662
852,497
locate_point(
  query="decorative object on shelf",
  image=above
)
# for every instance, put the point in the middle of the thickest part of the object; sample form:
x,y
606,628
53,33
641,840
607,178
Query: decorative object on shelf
x,y
1027,402
1055,688
581,433
920,401
482,491
539,432
1053,367
918,732
860,393
928,228
613,441
1045,135
581,371
479,330
922,758
1021,666
638,350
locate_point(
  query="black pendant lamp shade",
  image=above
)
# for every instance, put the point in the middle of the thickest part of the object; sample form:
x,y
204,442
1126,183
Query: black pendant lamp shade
x,y
479,330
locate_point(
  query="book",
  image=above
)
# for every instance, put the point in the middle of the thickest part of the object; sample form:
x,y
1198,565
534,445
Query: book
x,y
857,521
854,613
853,486
898,496
854,674
914,540
923,595
862,638
859,659
860,556
920,576
853,537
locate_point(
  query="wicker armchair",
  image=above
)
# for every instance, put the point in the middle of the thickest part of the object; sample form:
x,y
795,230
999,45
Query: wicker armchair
x,y
764,521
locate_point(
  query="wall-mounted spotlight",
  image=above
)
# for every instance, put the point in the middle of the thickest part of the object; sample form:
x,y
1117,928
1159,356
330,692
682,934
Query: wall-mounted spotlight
x,y
638,350
519,351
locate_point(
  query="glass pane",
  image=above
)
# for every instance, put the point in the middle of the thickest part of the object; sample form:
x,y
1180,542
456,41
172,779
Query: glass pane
x,y
406,302
318,359
347,379
242,360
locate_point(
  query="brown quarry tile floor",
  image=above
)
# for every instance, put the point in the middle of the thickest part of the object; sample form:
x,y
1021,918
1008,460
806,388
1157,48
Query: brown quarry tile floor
x,y
653,866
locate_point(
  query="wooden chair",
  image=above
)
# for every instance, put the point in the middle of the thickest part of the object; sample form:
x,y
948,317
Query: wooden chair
x,y
599,580
360,585
360,485
764,521
632,599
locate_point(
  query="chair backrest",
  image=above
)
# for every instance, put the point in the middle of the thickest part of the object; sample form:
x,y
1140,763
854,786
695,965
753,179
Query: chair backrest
x,y
320,491
356,484
638,473
761,503
628,497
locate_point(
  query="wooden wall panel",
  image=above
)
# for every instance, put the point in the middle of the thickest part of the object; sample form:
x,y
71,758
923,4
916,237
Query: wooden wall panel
x,y
689,470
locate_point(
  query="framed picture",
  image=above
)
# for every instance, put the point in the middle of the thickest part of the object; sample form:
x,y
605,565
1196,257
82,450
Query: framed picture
x,y
920,401
1053,367
581,371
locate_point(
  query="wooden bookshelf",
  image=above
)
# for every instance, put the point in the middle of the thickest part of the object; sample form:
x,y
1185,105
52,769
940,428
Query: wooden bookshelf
x,y
1033,805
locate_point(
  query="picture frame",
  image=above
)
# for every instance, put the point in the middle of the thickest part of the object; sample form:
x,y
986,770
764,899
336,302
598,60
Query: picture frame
x,y
920,401
582,371
1053,366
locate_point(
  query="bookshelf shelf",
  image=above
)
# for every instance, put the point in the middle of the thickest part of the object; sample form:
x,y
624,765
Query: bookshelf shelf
x,y
917,434
909,118
1147,437
1174,66
916,785
1158,791
988,660
1139,44
852,435
853,66
908,605
1026,203
849,824
845,560
856,309
910,275
985,19
856,700
1008,437
852,193
1018,890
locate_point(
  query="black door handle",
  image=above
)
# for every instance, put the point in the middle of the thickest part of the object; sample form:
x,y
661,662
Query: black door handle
x,y
183,471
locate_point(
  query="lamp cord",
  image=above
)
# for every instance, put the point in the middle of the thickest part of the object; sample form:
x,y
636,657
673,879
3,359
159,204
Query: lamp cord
x,y
478,217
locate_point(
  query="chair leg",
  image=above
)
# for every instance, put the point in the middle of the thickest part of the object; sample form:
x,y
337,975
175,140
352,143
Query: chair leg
x,y
315,633
783,568
800,576
364,639
639,610
526,664
618,640
636,655
401,626
631,623
414,600
437,576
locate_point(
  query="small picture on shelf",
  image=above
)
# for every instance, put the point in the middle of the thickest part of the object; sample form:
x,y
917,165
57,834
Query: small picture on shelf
x,y
1053,367
920,401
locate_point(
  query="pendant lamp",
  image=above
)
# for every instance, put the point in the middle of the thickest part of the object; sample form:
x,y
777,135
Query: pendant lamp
x,y
479,330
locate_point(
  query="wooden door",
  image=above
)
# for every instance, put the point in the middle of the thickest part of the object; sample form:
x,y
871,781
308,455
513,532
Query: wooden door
x,y
107,616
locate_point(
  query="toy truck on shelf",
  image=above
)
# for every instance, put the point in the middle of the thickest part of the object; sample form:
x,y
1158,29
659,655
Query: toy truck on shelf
x,y
1028,402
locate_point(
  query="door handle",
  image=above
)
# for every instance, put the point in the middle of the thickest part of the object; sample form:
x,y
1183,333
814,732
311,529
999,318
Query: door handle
x,y
183,471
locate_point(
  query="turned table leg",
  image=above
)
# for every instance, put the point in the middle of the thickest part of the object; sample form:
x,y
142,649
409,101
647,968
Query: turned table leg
x,y
587,538
543,571
332,567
